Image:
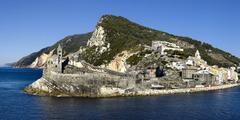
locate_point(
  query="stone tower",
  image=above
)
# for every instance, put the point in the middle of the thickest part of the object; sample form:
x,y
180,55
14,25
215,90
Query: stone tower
x,y
59,54
197,55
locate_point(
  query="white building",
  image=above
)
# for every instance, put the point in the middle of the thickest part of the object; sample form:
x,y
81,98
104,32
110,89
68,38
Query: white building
x,y
74,60
53,60
196,61
232,75
177,65
197,55
161,46
189,62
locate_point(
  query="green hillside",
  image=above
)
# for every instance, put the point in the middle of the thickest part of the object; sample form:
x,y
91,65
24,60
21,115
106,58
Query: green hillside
x,y
123,34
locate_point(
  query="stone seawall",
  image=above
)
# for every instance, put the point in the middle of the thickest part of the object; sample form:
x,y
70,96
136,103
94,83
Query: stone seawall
x,y
114,92
184,90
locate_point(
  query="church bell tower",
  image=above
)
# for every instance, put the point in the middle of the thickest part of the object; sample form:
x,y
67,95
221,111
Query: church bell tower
x,y
59,54
197,55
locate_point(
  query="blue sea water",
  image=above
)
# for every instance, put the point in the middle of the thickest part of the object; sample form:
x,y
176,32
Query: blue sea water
x,y
15,105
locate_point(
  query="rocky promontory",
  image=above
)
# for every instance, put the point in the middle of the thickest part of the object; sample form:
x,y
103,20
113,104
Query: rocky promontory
x,y
45,87
123,58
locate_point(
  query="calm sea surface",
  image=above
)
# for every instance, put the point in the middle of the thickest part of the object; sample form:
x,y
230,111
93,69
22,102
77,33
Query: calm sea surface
x,y
15,105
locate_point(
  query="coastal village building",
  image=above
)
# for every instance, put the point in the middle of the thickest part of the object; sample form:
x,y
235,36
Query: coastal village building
x,y
232,75
219,73
177,65
199,71
192,66
238,70
53,60
196,61
195,69
161,46
204,77
75,60
188,73
151,72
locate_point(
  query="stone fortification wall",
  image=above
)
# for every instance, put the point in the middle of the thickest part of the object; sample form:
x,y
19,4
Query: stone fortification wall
x,y
90,79
87,83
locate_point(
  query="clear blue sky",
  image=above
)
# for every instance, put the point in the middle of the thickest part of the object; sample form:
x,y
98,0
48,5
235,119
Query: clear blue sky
x,y
29,25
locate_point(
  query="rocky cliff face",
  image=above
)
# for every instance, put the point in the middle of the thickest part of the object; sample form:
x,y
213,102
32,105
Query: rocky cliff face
x,y
98,37
119,63
98,41
41,60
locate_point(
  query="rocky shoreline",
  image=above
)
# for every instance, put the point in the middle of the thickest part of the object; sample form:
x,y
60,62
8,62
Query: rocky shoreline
x,y
151,92
43,87
185,90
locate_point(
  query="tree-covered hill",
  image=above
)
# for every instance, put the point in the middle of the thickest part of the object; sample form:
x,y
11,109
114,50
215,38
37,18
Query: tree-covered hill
x,y
123,34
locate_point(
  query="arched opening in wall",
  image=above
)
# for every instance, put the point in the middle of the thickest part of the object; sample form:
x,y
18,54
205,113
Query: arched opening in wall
x,y
64,64
159,72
